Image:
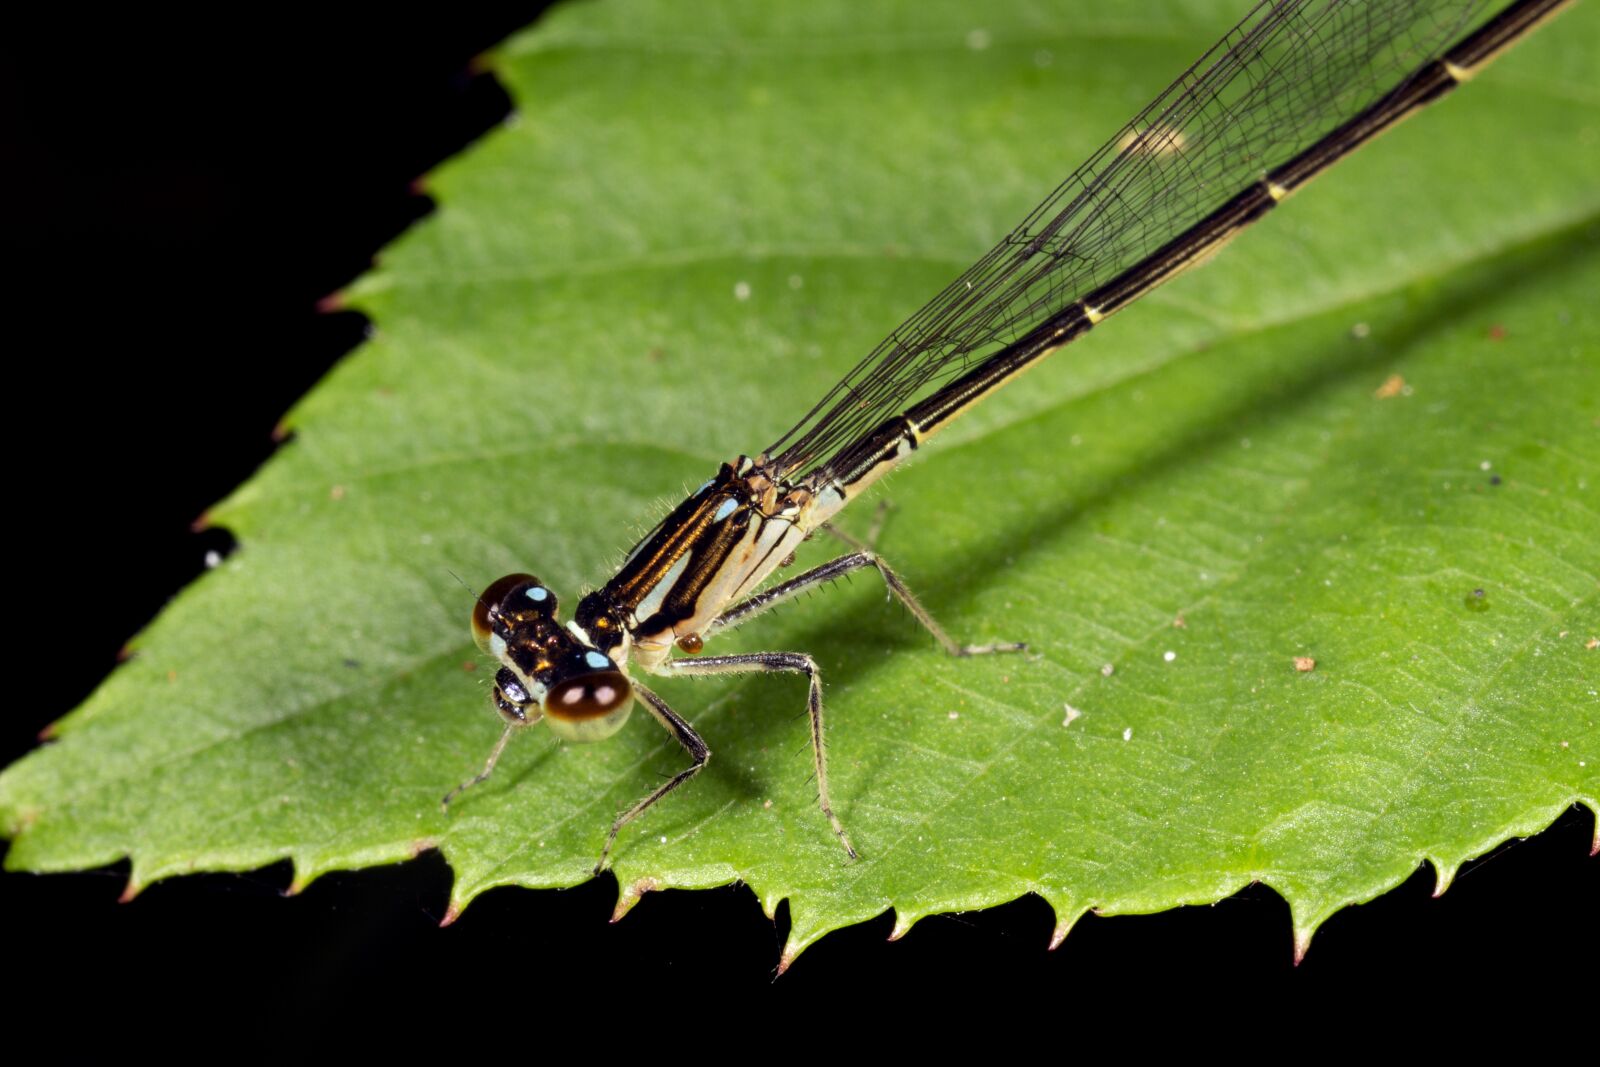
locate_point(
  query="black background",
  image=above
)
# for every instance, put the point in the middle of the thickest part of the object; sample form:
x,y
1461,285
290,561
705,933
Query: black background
x,y
182,189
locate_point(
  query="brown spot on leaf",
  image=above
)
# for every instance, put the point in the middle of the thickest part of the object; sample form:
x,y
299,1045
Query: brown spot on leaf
x,y
1392,386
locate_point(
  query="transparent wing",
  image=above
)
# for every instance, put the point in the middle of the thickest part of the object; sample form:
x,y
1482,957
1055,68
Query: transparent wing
x,y
1275,84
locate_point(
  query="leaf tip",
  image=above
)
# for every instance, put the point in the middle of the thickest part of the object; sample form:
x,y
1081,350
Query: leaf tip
x,y
1444,877
331,303
202,521
451,914
786,958
902,926
631,896
1302,944
130,891
1063,927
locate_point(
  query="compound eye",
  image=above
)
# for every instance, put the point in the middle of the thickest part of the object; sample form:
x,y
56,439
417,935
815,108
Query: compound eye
x,y
498,599
590,706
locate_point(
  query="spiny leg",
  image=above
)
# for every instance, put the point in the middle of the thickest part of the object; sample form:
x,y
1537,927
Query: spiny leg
x,y
770,662
488,767
685,735
517,709
874,529
838,568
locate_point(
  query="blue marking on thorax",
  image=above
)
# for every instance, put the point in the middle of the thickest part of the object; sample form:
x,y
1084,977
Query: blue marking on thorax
x,y
538,594
596,660
727,508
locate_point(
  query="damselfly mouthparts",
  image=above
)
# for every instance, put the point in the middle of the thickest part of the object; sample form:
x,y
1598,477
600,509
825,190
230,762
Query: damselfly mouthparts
x,y
1291,89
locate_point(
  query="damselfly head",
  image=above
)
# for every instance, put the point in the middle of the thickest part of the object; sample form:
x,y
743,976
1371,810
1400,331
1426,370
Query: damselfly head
x,y
548,672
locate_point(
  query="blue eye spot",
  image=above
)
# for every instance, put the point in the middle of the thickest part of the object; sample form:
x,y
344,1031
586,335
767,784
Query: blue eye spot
x,y
725,510
596,660
538,594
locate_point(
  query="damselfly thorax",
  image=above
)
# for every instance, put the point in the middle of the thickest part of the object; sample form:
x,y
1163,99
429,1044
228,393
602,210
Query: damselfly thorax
x,y
713,550
1292,89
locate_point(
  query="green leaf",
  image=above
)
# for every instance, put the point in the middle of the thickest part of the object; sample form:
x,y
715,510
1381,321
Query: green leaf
x,y
702,215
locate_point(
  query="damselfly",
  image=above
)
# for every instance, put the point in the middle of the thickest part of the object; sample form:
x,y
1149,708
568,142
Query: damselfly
x,y
1287,92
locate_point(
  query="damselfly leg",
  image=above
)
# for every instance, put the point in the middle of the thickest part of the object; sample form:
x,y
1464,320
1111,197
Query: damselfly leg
x,y
838,568
685,735
781,662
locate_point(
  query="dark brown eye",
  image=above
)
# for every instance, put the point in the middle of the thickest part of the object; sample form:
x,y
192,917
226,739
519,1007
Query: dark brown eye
x,y
589,707
492,599
589,696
